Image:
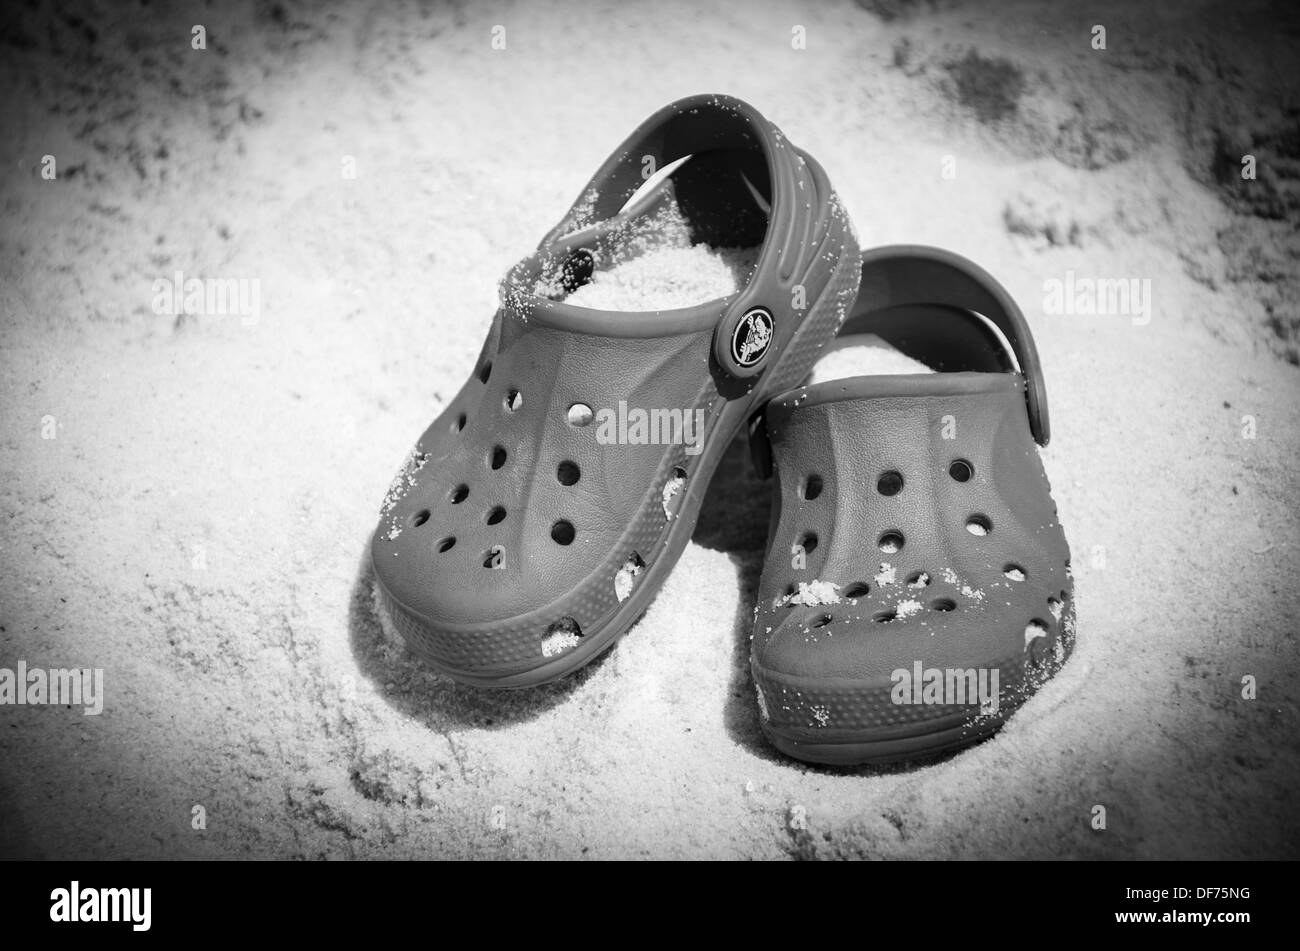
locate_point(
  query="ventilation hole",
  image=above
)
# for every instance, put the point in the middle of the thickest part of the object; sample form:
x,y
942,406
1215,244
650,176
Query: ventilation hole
x,y
566,624
447,543
580,414
459,494
458,424
858,589
672,492
568,473
626,577
494,557
496,515
784,599
561,636
562,532
808,543
812,487
822,621
979,525
498,457
943,604
891,542
961,470
420,517
1035,629
890,483
514,400
1065,595
577,270
1014,572
485,372
884,617
918,579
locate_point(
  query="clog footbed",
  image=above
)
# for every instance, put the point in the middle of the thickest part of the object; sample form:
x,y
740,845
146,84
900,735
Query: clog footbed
x,y
540,512
914,551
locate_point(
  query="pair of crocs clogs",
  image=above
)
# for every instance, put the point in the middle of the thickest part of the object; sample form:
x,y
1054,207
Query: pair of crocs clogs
x,y
916,588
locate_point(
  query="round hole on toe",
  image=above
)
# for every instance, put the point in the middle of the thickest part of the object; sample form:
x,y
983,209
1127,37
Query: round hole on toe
x,y
568,473
580,414
459,494
458,423
562,532
514,400
447,543
943,604
812,487
1014,572
918,579
496,515
891,542
979,525
884,617
890,483
494,557
484,372
419,518
498,458
859,589
808,543
961,470
1065,595
822,621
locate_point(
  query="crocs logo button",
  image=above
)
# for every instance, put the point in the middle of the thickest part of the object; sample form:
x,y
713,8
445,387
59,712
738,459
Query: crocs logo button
x,y
752,337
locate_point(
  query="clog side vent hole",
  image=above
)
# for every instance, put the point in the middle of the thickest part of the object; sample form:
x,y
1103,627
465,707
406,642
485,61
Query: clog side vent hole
x,y
1035,629
672,493
561,636
626,577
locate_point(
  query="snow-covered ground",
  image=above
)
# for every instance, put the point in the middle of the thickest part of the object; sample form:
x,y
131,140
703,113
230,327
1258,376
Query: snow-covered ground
x,y
197,526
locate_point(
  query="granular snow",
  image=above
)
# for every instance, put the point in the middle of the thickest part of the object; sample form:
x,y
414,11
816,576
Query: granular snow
x,y
1034,629
814,592
907,608
668,279
626,577
862,355
671,488
558,643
